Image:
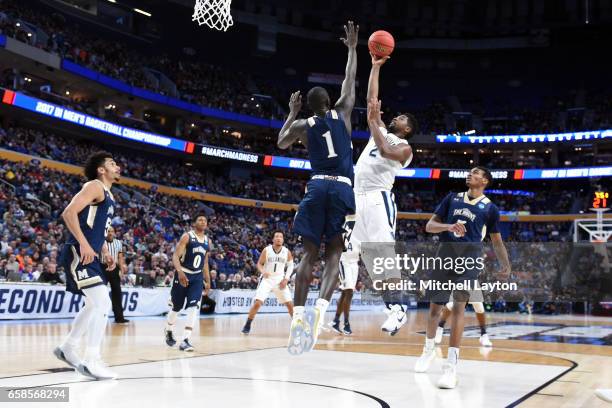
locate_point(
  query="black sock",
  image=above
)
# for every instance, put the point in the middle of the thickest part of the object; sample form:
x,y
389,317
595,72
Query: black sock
x,y
483,331
336,319
248,323
442,323
346,322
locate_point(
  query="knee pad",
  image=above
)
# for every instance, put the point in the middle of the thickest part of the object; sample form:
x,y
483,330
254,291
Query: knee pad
x,y
349,257
449,306
478,307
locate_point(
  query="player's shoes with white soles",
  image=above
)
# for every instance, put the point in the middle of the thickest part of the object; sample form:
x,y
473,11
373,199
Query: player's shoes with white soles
x,y
485,341
170,340
186,346
439,335
424,361
315,321
335,326
449,378
299,336
68,355
96,369
396,318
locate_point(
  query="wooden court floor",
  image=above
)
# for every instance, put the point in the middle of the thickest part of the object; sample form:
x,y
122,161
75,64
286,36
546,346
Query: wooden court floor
x,y
26,347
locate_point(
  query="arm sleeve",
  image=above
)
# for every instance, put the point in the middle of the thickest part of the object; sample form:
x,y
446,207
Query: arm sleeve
x,y
442,208
493,220
289,270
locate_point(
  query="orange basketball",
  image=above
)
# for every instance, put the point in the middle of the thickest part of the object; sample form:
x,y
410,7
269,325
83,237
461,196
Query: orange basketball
x,y
381,43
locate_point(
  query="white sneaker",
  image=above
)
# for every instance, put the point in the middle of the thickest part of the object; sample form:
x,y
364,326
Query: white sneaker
x,y
68,355
484,341
97,370
449,378
423,363
604,394
314,319
395,320
439,334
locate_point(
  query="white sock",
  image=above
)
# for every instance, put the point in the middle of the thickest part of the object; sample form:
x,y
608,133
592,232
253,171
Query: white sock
x,y
187,333
171,319
322,305
298,313
79,325
453,355
429,343
97,324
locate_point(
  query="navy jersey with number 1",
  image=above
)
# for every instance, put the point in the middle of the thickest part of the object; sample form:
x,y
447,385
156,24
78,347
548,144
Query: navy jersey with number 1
x,y
329,146
329,201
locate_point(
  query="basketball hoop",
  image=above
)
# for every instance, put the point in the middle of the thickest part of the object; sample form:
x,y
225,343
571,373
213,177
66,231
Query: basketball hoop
x,y
214,13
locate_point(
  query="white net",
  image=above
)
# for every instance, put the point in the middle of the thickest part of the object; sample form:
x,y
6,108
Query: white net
x,y
214,13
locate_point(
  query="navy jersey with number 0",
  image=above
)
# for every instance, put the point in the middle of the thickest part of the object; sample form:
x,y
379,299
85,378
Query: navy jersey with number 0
x,y
94,220
195,253
480,217
329,146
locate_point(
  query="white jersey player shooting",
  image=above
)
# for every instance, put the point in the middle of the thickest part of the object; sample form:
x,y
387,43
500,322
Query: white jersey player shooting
x,y
386,153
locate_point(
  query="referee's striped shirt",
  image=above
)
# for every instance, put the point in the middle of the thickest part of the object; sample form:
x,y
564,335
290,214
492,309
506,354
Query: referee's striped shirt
x,y
114,248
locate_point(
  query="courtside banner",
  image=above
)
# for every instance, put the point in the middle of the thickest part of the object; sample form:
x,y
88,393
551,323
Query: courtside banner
x,y
241,300
40,301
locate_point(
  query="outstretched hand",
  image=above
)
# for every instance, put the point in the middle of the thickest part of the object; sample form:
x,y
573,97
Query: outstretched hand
x,y
378,61
352,35
295,102
374,110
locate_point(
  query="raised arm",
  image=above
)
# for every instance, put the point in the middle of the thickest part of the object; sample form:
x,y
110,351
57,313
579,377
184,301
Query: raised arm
x,y
293,129
346,102
373,81
399,152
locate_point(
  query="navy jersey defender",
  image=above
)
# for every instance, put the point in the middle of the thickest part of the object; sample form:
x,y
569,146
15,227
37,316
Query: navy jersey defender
x,y
93,221
464,219
87,219
190,260
327,211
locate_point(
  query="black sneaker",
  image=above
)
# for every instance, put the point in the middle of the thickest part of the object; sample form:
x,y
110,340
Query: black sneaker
x,y
186,346
122,321
336,326
347,329
246,329
170,340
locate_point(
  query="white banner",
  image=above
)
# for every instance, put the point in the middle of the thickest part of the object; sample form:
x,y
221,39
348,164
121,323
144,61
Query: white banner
x,y
40,301
241,300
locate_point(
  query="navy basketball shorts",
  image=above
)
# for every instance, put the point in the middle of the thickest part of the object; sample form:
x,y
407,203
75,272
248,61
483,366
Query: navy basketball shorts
x,y
460,274
192,294
79,276
323,210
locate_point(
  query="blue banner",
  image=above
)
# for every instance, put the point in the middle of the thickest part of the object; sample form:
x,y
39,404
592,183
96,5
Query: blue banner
x,y
81,119
539,174
535,138
2,41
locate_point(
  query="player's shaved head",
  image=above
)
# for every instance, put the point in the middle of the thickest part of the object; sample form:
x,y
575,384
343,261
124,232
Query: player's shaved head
x,y
318,99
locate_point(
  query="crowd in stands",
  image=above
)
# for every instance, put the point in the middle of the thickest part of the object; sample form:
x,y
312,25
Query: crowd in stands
x,y
150,223
167,171
197,82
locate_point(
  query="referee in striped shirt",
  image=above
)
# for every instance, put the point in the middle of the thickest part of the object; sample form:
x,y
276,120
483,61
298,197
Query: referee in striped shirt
x,y
115,247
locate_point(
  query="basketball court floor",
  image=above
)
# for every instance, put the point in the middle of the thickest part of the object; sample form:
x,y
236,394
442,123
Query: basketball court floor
x,y
555,361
